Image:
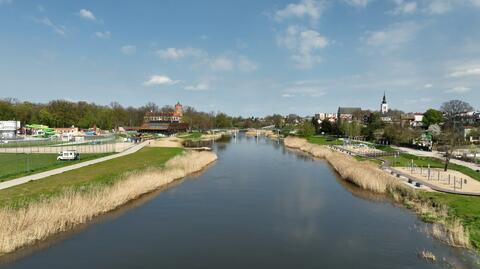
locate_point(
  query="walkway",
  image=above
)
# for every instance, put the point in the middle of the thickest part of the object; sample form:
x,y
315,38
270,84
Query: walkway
x,y
22,180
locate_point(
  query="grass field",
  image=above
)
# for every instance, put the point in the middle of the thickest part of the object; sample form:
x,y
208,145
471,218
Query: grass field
x,y
192,136
105,173
15,165
323,140
466,208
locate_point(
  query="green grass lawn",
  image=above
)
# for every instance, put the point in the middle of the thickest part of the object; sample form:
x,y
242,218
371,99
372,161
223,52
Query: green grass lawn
x,y
14,165
323,140
363,159
192,136
32,143
385,148
466,208
100,174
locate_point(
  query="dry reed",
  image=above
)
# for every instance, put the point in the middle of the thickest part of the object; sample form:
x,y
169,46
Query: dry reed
x,y
427,255
365,175
368,176
21,227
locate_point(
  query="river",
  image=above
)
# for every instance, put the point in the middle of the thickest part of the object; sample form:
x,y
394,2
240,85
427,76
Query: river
x,y
259,206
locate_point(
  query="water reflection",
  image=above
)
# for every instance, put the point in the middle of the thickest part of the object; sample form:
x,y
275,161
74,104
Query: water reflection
x,y
258,206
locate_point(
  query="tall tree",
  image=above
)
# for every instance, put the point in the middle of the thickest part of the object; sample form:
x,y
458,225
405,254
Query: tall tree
x,y
452,135
432,116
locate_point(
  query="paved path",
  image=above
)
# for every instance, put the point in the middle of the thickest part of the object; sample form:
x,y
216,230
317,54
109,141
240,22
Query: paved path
x,y
22,180
437,154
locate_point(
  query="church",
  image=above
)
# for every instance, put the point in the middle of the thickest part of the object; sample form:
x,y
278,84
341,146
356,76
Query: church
x,y
385,114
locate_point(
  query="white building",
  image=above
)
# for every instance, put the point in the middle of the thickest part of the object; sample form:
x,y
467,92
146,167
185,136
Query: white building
x,y
8,129
384,109
332,117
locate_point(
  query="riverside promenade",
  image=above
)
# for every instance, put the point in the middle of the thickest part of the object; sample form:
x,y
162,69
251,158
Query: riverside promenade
x,y
411,180
25,179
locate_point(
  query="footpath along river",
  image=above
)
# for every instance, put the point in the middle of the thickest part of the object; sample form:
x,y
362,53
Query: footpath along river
x,y
259,206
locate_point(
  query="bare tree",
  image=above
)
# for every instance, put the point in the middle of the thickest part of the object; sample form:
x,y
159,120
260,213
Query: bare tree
x,y
452,135
454,109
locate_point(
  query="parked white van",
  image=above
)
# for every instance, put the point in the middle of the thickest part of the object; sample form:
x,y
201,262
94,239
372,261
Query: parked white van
x,y
68,155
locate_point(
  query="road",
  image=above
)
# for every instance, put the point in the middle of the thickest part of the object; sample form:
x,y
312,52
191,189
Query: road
x,y
437,154
22,180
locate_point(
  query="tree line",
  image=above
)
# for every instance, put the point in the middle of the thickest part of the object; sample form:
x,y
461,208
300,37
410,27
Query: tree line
x,y
63,113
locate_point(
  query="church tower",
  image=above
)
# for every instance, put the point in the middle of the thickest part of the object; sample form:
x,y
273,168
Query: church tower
x,y
384,106
178,110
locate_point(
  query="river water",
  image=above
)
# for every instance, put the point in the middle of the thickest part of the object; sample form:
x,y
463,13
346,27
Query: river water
x,y
259,206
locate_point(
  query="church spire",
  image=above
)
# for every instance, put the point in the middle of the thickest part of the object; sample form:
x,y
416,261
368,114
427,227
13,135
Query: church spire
x,y
384,106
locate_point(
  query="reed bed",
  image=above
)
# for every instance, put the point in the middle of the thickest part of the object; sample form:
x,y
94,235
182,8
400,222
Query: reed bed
x,y
365,175
368,176
25,226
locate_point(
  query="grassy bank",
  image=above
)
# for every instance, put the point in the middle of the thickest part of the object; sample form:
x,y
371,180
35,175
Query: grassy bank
x,y
466,208
15,165
323,140
106,189
190,136
104,173
447,226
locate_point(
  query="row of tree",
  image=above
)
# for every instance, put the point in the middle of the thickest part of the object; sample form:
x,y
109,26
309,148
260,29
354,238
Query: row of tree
x,y
62,113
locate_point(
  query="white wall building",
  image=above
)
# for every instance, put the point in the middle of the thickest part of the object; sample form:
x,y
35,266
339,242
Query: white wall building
x,y
8,129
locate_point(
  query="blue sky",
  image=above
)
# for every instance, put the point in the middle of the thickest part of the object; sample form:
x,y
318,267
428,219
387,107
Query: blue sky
x,y
243,57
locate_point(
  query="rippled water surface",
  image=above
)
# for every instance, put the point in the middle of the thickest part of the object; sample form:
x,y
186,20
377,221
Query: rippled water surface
x,y
258,206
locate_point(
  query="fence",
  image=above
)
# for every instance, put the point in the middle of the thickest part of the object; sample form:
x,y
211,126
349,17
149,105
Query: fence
x,y
20,157
89,145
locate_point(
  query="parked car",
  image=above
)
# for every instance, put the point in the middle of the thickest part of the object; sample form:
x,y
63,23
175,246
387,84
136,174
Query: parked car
x,y
68,155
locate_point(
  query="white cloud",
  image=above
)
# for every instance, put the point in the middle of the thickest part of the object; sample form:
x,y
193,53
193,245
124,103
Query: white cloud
x,y
405,7
59,29
198,87
40,8
160,80
103,35
475,2
458,89
303,45
439,6
222,63
128,49
358,3
245,65
428,86
311,9
179,53
466,71
304,91
5,2
87,15
394,36
305,88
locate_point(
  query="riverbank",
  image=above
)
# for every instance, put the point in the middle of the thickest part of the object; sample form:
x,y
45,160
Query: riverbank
x,y
445,226
54,207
